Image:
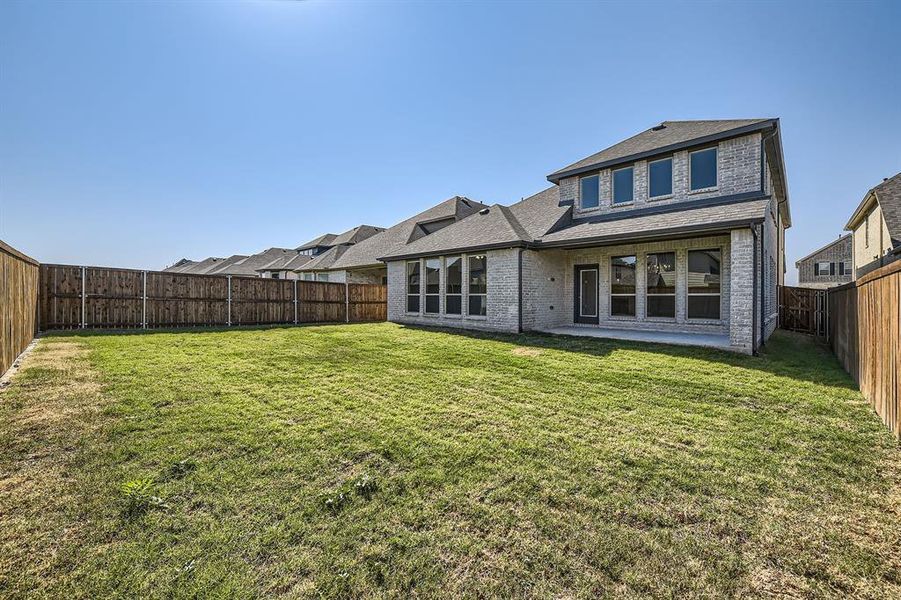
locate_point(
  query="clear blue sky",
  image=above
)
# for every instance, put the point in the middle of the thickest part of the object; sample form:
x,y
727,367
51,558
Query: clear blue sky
x,y
132,134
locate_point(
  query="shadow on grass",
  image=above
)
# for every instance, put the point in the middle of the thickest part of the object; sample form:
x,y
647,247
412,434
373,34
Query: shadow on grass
x,y
198,329
786,354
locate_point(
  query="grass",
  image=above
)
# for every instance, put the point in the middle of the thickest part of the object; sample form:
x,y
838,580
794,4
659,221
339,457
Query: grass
x,y
382,461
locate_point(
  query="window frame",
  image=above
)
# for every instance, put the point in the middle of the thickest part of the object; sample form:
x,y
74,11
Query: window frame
x,y
672,173
447,260
688,293
581,195
408,295
425,288
818,270
322,277
716,166
647,292
613,173
633,295
469,293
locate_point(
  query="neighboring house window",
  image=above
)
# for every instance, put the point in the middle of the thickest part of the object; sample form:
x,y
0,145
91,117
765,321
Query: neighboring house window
x,y
661,269
622,286
321,276
848,270
660,178
432,286
623,185
704,284
702,169
307,276
275,275
453,285
478,285
823,268
590,191
413,286
841,268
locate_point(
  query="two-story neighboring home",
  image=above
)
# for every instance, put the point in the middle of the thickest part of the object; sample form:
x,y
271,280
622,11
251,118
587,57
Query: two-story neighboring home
x,y
828,266
326,250
676,232
359,262
876,227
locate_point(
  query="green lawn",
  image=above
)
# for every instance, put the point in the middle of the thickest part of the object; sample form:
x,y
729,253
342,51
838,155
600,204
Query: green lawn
x,y
377,460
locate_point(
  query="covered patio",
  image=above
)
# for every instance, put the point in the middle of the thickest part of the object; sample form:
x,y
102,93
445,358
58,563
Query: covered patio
x,y
706,340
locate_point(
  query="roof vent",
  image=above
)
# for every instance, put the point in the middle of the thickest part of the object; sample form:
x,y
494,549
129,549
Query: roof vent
x,y
484,211
658,127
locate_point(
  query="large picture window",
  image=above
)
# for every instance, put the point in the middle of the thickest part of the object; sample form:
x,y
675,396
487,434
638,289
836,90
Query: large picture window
x,y
704,284
702,169
478,285
623,185
432,286
661,280
660,178
590,191
413,286
453,285
622,286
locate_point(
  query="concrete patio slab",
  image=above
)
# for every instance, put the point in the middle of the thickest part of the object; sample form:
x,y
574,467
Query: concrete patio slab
x,y
707,340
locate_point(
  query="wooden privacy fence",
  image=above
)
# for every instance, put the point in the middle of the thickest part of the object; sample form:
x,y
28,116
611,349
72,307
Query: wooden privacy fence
x,y
74,297
865,335
18,303
803,309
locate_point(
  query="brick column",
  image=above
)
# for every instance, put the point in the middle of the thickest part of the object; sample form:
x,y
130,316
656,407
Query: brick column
x,y
741,296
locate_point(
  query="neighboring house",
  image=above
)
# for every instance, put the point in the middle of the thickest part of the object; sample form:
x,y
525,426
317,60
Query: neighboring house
x,y
239,265
359,263
320,267
191,267
283,267
678,229
828,266
317,246
876,227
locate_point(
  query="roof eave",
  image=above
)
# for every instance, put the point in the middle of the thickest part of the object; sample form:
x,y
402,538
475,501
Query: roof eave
x,y
869,199
672,233
746,129
458,250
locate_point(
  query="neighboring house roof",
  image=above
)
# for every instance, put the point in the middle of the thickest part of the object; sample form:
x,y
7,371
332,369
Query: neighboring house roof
x,y
668,136
247,265
180,265
356,235
888,195
322,240
842,238
325,260
197,268
288,262
368,252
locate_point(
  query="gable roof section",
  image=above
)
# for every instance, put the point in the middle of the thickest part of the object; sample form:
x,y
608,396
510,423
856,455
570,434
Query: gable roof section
x,y
888,195
290,261
666,137
198,267
369,252
356,235
322,240
241,265
842,238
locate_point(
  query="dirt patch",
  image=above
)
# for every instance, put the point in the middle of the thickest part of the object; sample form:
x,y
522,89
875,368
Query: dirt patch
x,y
523,351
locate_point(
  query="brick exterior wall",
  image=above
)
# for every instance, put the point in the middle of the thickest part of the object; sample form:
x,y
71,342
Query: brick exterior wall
x,y
738,171
741,319
375,275
871,240
837,252
543,289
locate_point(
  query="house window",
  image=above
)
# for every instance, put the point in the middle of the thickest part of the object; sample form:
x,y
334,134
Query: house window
x,y
841,268
623,185
321,276
660,178
847,267
453,285
590,191
702,169
661,280
823,268
432,286
704,284
307,276
478,285
413,286
275,275
622,286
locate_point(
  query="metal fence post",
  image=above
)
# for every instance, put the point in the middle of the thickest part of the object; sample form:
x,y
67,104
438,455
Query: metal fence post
x,y
229,278
295,302
144,302
346,301
83,294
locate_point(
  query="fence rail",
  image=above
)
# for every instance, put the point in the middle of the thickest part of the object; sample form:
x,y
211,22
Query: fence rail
x,y
73,297
18,303
865,335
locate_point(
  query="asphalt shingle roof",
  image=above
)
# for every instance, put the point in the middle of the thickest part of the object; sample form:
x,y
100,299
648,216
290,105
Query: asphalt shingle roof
x,y
668,133
322,240
241,265
288,262
888,194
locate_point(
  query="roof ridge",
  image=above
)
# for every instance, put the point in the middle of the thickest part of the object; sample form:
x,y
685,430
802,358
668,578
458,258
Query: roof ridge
x,y
517,227
821,248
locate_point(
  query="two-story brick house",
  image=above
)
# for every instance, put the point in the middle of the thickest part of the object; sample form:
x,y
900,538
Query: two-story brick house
x,y
678,230
875,227
828,266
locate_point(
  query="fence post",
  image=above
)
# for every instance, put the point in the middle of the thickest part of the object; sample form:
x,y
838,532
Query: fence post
x,y
229,279
83,313
295,302
144,302
346,301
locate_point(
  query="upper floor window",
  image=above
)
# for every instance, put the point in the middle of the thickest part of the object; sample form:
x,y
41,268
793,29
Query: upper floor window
x,y
275,275
590,191
661,284
704,284
453,285
660,178
321,276
622,286
432,285
413,286
622,185
702,169
478,285
823,268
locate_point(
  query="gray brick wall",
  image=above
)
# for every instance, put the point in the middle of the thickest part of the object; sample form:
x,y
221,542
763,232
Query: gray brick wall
x,y
738,170
544,281
741,319
836,253
365,275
